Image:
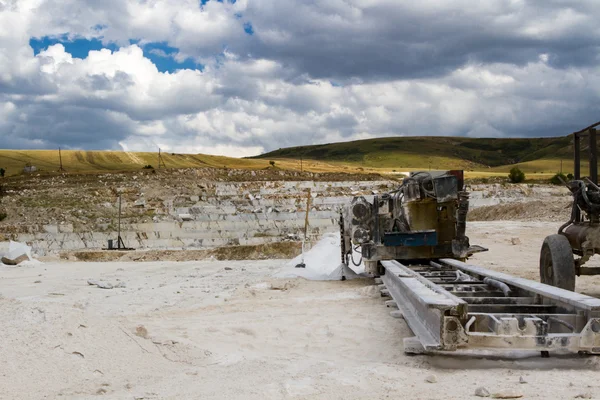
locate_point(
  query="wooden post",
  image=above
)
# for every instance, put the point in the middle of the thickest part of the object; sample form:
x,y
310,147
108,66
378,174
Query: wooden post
x,y
160,160
60,159
120,243
306,218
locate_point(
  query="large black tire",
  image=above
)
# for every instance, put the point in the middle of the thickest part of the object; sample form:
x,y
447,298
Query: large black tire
x,y
557,266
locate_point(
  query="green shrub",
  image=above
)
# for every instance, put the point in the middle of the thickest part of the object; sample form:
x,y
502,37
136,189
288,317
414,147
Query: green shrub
x,y
570,176
558,179
148,167
3,216
516,175
272,163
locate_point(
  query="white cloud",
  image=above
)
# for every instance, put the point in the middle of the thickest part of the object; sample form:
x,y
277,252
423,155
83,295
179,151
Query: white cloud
x,y
474,71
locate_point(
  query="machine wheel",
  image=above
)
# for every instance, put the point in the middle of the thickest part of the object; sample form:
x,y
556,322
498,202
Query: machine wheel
x,y
557,267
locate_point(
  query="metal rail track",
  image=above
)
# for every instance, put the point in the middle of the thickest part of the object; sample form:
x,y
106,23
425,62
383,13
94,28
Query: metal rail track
x,y
451,305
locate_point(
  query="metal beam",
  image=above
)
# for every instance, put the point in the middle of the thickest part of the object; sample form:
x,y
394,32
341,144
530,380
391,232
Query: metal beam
x,y
593,150
576,156
560,296
477,316
422,306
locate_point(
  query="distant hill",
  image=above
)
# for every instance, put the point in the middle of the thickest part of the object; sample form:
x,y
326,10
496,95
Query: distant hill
x,y
81,161
13,161
419,151
481,157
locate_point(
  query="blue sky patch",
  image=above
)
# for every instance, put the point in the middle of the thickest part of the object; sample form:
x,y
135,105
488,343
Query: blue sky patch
x,y
161,54
78,48
248,28
203,2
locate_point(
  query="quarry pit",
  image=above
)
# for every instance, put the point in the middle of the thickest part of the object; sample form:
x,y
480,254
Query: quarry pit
x,y
189,316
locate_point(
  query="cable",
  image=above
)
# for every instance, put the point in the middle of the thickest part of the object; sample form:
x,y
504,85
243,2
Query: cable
x,y
352,257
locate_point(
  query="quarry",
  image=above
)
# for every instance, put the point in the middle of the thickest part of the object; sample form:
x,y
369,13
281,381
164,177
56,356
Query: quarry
x,y
209,304
298,200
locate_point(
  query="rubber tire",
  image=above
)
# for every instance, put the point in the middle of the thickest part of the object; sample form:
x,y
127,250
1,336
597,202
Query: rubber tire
x,y
557,266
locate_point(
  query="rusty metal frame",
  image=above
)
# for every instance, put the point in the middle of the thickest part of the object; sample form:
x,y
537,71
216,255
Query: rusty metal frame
x,y
451,305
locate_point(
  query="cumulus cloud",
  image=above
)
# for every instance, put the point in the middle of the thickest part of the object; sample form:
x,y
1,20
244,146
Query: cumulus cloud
x,y
307,72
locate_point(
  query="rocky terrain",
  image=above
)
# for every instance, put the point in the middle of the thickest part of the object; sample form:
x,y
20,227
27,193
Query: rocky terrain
x,y
231,329
176,209
202,209
147,324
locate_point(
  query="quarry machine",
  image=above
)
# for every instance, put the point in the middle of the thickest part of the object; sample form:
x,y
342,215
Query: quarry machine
x,y
564,254
413,240
424,219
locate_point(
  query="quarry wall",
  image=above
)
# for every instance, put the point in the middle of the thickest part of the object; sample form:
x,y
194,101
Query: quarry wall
x,y
236,213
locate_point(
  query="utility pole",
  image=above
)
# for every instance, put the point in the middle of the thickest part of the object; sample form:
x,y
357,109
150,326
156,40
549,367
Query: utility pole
x,y
61,169
120,243
160,160
119,226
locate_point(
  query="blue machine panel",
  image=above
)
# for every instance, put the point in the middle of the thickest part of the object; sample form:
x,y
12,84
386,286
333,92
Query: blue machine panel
x,y
412,239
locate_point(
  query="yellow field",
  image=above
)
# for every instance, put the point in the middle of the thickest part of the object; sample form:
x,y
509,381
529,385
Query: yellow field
x,y
76,161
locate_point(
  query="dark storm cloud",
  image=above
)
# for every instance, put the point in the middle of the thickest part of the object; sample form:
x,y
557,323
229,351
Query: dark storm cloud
x,y
311,72
50,127
406,40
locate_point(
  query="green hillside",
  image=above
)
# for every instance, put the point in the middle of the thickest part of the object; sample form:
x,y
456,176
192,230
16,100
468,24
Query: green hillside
x,y
480,157
13,161
80,161
449,151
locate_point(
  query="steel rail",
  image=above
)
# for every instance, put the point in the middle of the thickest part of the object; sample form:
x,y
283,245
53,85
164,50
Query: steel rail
x,y
488,310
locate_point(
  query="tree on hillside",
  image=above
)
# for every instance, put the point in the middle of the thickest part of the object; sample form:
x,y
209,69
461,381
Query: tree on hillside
x,y
516,175
559,179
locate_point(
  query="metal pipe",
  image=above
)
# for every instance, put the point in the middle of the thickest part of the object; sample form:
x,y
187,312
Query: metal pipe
x,y
574,210
470,323
580,234
376,233
592,184
576,171
498,285
576,156
593,149
588,127
563,323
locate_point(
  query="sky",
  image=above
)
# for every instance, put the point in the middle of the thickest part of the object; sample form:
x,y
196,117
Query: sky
x,y
239,78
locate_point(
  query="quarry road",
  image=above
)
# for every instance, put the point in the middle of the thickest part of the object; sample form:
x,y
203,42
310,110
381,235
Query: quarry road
x,y
228,330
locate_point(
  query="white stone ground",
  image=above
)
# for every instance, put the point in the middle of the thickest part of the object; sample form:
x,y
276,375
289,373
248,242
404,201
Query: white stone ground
x,y
194,330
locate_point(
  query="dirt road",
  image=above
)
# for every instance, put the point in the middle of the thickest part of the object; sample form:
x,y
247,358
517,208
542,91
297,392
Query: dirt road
x,y
228,330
